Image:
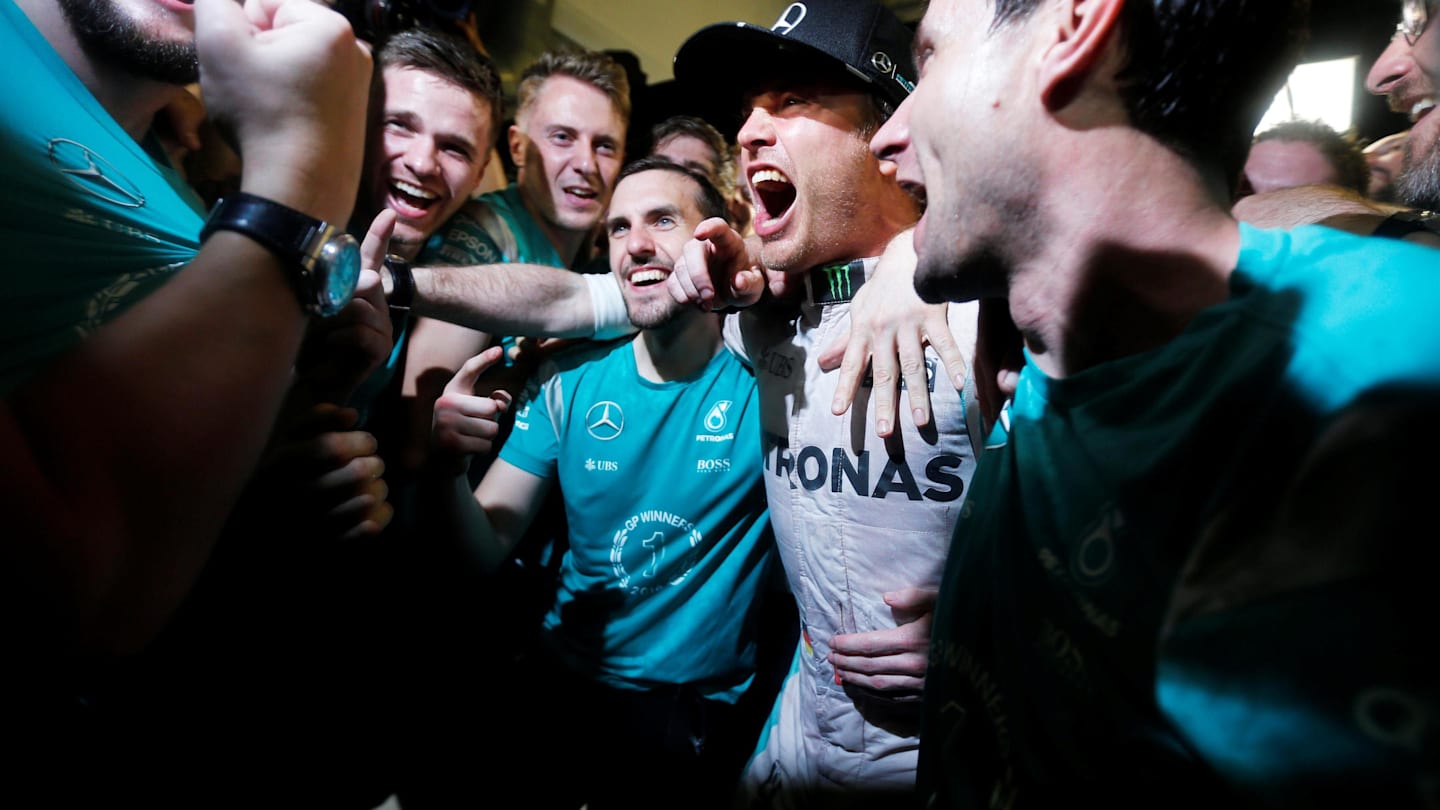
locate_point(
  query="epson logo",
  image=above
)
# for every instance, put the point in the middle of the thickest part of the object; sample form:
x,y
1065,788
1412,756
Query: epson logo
x,y
709,465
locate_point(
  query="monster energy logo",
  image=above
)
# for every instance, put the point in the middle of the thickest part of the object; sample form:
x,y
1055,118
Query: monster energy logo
x,y
838,278
836,283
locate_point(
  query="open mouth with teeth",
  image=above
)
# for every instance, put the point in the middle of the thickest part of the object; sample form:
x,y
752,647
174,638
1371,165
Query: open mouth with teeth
x,y
773,195
1421,108
580,196
410,201
649,276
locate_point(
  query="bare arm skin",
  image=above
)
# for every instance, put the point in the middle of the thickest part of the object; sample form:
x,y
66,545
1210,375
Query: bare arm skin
x,y
124,458
488,523
508,299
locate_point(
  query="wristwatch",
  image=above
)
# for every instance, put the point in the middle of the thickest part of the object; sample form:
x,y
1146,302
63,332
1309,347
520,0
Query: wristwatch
x,y
324,260
1403,223
402,283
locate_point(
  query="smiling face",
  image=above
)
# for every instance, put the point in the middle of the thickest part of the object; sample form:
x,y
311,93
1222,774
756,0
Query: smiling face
x,y
152,39
815,186
568,145
1408,76
651,217
433,145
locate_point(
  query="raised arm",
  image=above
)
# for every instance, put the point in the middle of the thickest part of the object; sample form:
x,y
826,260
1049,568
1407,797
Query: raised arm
x,y
488,523
123,458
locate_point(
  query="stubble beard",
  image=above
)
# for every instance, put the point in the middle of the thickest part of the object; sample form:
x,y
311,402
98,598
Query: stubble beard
x,y
110,36
653,315
1419,184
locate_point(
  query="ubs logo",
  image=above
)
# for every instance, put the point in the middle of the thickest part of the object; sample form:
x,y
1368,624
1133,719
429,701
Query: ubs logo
x,y
94,174
794,13
605,420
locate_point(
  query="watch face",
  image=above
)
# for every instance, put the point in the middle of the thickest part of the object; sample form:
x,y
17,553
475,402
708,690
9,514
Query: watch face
x,y
339,271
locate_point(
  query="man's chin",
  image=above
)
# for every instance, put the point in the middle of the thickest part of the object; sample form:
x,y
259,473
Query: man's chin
x,y
406,241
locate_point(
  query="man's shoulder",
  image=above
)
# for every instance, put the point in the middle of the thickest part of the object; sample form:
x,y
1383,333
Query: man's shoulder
x,y
473,235
583,360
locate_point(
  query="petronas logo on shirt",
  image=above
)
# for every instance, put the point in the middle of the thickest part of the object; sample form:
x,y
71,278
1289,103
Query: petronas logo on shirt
x,y
715,419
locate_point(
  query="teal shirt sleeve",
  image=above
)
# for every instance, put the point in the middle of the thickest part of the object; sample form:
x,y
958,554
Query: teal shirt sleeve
x,y
534,445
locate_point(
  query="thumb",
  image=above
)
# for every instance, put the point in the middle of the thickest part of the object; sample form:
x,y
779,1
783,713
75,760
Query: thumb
x,y
910,604
220,24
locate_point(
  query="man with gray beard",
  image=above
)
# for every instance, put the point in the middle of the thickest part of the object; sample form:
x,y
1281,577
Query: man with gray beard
x,y
1407,74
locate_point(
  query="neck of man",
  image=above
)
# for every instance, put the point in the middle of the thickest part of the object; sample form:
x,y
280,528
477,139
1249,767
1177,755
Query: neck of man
x,y
130,100
567,243
1122,266
679,349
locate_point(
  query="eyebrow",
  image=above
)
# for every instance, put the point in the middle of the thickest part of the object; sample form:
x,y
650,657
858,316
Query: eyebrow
x,y
653,213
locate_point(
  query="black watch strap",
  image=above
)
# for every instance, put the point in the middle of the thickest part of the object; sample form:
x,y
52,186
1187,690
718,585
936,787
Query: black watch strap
x,y
402,288
281,229
1403,223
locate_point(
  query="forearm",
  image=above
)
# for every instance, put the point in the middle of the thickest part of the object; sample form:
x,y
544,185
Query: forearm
x,y
454,518
511,299
138,441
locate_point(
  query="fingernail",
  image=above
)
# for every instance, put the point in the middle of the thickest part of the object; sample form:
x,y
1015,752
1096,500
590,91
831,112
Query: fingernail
x,y
920,416
837,406
837,678
882,426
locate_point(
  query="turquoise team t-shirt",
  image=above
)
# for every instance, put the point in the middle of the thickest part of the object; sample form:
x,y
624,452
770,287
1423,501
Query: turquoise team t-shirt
x,y
91,220
497,228
670,541
1128,616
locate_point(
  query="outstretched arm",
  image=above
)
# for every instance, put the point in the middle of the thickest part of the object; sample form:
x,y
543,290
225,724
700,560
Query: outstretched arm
x,y
521,299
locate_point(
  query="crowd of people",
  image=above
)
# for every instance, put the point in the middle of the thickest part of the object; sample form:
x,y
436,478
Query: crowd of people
x,y
861,460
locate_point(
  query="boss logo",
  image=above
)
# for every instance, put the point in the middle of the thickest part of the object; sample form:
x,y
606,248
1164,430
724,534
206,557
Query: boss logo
x,y
709,465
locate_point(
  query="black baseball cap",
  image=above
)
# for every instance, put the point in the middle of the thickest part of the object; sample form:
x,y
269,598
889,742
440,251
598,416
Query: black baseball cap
x,y
862,36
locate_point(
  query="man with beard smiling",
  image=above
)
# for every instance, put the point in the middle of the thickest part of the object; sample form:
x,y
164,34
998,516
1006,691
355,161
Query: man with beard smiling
x,y
651,639
1188,579
1407,73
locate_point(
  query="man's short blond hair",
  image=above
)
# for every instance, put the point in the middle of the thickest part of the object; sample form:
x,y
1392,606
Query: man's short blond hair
x,y
591,67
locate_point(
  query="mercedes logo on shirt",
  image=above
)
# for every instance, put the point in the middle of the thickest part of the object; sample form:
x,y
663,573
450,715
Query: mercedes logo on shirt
x,y
605,420
93,173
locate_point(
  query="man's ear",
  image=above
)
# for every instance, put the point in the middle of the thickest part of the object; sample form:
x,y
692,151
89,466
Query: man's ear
x,y
1086,33
516,139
